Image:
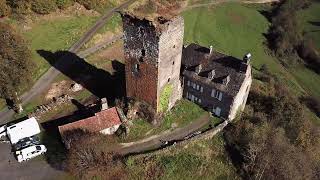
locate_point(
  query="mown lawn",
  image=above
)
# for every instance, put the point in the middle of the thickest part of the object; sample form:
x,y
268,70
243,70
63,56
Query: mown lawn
x,y
205,159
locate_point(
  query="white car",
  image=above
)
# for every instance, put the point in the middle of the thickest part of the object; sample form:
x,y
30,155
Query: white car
x,y
30,152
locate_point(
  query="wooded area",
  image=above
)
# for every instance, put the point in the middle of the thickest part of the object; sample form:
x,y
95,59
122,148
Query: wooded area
x,y
15,64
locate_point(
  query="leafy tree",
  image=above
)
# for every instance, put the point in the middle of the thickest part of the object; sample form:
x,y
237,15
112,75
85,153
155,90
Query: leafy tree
x,y
89,158
274,139
4,8
15,63
20,7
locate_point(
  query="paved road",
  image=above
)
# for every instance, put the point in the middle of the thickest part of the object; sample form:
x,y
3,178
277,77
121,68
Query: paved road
x,y
52,73
155,142
31,170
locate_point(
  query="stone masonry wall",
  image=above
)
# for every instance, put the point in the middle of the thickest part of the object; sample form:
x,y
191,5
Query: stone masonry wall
x,y
141,52
153,59
241,98
170,52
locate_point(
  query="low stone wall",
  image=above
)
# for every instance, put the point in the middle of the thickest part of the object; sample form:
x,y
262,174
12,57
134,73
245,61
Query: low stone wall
x,y
206,135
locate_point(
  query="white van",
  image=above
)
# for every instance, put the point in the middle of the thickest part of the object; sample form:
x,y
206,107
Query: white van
x,y
26,128
30,152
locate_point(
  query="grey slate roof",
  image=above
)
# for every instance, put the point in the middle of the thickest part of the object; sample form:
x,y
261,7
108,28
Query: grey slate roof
x,y
224,65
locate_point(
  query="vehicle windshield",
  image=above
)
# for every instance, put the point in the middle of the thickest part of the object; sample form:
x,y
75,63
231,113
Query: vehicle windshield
x,y
38,147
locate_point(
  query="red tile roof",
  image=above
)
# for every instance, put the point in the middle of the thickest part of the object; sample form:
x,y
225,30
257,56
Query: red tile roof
x,y
102,120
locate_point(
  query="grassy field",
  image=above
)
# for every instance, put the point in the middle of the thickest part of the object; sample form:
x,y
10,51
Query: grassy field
x,y
54,35
181,115
310,22
204,159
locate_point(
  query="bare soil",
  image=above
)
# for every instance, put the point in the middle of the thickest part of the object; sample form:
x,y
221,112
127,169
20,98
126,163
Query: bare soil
x,y
57,89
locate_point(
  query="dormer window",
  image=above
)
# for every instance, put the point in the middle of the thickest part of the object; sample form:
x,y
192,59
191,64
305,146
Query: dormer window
x,y
198,69
226,80
211,74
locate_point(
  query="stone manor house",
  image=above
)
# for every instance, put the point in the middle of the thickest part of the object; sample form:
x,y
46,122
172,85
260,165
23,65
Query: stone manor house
x,y
160,70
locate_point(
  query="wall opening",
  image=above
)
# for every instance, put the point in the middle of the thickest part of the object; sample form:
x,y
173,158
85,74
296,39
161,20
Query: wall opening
x,y
143,54
136,68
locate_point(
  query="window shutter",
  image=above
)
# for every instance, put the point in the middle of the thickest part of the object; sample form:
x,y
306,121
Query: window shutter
x,y
220,96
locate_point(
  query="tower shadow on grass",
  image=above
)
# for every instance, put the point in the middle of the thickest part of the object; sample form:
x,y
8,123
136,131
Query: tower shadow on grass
x,y
98,81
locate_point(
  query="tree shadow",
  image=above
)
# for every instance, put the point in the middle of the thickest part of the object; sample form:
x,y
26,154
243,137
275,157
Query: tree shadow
x,y
98,81
314,23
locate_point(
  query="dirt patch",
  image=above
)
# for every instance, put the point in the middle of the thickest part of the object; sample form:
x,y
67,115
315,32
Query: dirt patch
x,y
235,18
58,89
113,52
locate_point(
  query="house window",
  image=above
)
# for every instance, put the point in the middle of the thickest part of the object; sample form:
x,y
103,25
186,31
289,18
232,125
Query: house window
x,y
217,94
199,101
201,89
213,92
188,83
198,87
220,96
194,85
218,112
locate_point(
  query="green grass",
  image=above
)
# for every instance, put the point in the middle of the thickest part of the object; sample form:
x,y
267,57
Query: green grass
x,y
205,159
54,35
235,32
182,114
139,129
164,97
309,16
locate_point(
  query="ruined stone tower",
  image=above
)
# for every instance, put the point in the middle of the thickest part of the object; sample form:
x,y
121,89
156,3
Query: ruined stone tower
x,y
153,52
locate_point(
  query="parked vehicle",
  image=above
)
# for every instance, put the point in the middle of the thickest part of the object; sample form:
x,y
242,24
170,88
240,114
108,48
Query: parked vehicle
x,y
26,128
25,142
30,152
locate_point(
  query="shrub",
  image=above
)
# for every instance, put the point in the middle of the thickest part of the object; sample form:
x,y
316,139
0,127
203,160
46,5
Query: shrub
x,y
20,7
88,157
43,6
4,8
312,103
63,4
309,54
94,4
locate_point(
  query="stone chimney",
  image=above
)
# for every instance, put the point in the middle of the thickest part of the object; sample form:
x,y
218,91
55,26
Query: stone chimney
x,y
247,58
211,74
198,69
104,104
